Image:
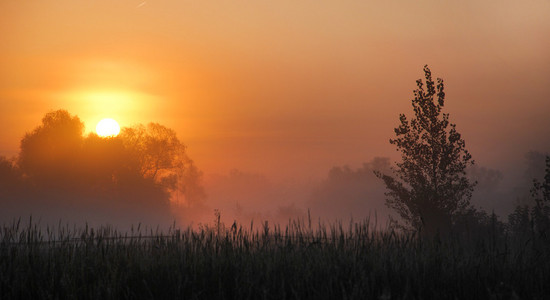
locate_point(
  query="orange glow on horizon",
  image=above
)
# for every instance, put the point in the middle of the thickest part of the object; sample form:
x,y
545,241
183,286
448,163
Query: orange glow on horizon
x,y
93,105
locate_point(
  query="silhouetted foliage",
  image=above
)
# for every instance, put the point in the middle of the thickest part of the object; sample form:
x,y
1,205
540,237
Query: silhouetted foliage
x,y
519,221
478,224
429,187
49,154
541,190
129,177
163,158
535,219
534,162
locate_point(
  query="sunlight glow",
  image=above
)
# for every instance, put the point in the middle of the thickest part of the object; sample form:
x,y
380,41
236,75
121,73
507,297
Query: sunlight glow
x,y
107,128
92,104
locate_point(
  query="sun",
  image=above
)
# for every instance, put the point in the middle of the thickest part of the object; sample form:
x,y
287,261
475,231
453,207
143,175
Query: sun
x,y
107,128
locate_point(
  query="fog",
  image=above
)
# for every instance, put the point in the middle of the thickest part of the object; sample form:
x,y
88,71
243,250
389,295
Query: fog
x,y
144,176
354,192
61,176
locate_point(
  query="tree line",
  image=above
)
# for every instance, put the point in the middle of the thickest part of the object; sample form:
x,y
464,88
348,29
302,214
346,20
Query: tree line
x,y
133,175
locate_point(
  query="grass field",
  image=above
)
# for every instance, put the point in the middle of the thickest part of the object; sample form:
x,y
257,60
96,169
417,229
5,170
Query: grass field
x,y
338,261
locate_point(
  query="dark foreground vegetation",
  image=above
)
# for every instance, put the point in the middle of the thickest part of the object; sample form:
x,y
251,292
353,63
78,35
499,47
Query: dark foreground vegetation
x,y
352,261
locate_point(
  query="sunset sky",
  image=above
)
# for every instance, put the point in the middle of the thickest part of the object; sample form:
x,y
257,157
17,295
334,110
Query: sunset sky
x,y
283,88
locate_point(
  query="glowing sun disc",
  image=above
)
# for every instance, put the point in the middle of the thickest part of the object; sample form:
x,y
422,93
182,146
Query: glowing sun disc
x,y
107,128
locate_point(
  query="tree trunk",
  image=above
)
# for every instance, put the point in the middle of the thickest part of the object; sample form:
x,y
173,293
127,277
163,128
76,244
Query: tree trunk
x,y
435,223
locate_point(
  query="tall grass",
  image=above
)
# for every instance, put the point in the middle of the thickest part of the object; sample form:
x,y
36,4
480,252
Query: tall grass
x,y
335,261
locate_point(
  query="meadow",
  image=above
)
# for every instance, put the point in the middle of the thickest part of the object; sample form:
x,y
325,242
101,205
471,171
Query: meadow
x,y
297,261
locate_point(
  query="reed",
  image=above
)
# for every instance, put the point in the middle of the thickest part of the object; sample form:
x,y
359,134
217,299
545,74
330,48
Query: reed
x,y
295,261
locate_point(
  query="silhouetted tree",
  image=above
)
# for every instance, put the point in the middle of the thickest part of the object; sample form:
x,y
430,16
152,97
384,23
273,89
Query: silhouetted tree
x,y
534,169
534,217
163,158
429,187
131,175
49,154
541,190
541,211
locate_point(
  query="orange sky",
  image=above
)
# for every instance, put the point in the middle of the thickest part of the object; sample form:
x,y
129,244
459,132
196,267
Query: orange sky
x,y
284,88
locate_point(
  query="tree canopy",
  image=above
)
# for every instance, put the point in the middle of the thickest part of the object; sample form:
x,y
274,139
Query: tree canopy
x,y
137,173
429,187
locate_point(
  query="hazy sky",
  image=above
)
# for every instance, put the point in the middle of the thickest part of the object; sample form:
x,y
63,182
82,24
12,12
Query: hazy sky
x,y
283,88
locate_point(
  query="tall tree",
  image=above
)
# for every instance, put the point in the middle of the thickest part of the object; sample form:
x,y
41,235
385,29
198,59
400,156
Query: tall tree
x,y
163,158
429,187
49,154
